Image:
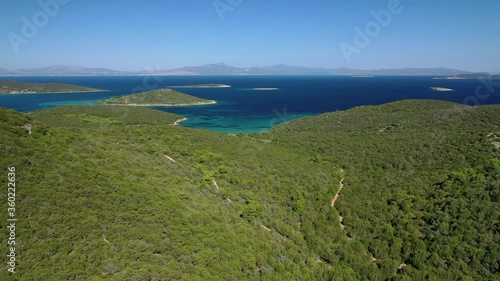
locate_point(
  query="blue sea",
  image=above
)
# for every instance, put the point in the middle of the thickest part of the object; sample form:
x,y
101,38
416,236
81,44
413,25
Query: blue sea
x,y
243,109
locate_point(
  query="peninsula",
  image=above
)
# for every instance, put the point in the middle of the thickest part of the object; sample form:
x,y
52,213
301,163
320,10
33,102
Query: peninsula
x,y
20,87
159,97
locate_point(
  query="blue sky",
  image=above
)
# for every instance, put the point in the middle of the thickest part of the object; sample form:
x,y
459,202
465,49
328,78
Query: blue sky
x,y
137,35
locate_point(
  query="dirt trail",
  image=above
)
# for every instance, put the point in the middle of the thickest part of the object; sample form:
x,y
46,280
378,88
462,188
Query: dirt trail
x,y
341,218
341,186
370,255
337,195
265,228
170,158
105,240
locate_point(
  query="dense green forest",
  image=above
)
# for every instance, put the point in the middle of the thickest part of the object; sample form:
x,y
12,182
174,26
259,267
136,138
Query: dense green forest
x,y
163,97
19,87
92,116
107,193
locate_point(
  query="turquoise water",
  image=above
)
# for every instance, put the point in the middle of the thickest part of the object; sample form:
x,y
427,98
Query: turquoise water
x,y
242,109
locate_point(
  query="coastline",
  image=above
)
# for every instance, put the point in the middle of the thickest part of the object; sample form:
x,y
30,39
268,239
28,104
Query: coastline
x,y
160,104
177,122
50,93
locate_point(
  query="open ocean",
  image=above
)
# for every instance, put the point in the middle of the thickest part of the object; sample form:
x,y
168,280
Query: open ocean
x,y
241,109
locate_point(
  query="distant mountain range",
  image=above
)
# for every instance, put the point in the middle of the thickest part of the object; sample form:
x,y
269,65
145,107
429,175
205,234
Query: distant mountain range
x,y
223,69
60,70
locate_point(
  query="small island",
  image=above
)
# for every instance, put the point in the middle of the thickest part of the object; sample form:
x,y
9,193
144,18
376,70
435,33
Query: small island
x,y
159,97
441,89
203,86
20,87
265,89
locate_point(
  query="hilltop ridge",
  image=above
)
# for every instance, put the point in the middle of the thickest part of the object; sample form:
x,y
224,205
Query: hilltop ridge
x,y
114,198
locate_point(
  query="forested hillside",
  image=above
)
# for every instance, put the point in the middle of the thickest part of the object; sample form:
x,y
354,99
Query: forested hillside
x,y
20,87
103,196
422,184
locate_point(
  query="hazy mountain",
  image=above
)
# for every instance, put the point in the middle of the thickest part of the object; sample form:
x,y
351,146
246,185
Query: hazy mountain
x,y
223,69
281,69
4,71
207,69
415,71
65,70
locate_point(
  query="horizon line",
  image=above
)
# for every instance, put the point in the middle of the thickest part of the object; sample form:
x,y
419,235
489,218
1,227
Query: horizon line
x,y
247,67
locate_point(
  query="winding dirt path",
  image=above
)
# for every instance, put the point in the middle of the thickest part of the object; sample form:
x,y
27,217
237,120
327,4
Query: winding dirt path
x,y
341,218
170,158
341,186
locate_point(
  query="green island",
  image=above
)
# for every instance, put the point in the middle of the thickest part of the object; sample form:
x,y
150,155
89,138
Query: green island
x,y
159,97
19,87
203,86
402,191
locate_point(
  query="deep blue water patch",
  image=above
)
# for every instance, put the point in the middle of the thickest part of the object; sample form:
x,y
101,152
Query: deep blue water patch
x,y
240,109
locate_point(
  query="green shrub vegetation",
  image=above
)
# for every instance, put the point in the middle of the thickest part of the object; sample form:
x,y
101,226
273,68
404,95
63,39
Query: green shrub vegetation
x,y
165,97
90,116
103,197
15,87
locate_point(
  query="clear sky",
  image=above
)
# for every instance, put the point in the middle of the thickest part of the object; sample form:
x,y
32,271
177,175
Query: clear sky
x,y
136,35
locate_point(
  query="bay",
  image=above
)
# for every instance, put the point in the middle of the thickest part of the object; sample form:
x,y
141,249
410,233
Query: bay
x,y
256,103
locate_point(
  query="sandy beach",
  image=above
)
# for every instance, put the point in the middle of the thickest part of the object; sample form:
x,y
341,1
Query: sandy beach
x,y
179,121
